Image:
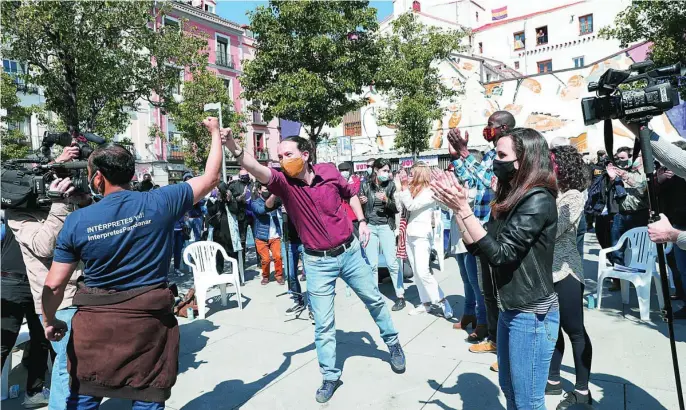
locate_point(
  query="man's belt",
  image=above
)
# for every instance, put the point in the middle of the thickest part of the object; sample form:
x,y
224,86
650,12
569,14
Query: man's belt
x,y
333,251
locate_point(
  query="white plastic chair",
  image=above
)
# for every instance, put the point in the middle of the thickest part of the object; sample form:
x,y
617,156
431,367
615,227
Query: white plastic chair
x,y
22,337
205,275
642,254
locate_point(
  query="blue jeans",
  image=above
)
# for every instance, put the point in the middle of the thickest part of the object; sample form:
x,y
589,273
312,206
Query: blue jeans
x,y
59,381
474,303
621,224
322,272
196,227
382,236
178,248
525,348
295,252
81,402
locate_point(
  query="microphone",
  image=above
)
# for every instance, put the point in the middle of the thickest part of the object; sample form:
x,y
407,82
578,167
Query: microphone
x,y
93,138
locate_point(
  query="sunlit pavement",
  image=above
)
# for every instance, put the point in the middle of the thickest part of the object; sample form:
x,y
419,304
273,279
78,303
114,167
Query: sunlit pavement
x,y
259,358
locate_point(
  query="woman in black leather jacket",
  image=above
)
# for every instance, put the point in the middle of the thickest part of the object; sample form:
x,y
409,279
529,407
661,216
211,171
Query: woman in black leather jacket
x,y
519,247
377,196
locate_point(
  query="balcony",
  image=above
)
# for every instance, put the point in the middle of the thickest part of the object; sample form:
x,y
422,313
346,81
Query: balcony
x,y
257,118
224,59
175,153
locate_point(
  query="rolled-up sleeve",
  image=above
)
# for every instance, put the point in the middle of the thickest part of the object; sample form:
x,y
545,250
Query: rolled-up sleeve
x,y
347,190
277,184
681,241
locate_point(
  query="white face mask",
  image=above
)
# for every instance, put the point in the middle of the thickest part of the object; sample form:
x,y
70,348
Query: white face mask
x,y
345,174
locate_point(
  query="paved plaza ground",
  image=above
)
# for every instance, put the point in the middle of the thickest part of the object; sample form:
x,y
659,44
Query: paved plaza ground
x,y
260,359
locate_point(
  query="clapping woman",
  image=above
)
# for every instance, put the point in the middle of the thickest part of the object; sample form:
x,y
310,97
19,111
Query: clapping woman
x,y
518,243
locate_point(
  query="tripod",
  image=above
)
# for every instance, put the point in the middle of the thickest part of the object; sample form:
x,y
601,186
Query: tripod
x,y
649,168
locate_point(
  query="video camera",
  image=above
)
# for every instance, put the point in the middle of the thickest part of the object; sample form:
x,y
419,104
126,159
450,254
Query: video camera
x,y
23,185
632,105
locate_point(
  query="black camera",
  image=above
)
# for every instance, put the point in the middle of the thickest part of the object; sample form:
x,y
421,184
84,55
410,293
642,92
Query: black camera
x,y
632,104
26,182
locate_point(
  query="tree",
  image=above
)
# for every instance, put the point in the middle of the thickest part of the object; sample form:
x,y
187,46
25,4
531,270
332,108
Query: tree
x,y
95,59
411,81
204,88
660,22
313,58
13,143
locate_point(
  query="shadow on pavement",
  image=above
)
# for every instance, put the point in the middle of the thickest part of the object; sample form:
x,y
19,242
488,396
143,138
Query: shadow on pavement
x,y
192,337
232,394
475,391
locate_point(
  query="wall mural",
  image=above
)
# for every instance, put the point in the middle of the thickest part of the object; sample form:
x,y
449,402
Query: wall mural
x,y
549,103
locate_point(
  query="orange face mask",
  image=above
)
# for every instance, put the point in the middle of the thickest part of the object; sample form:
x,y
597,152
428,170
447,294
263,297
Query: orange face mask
x,y
292,166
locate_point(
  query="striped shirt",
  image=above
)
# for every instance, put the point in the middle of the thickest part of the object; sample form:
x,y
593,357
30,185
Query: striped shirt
x,y
480,176
539,307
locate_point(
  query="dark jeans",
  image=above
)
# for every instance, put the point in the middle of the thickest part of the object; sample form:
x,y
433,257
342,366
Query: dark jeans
x,y
603,226
295,253
489,291
679,256
570,293
622,223
178,248
17,303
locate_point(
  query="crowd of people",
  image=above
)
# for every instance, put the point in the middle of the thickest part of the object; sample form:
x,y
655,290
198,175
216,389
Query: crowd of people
x,y
93,277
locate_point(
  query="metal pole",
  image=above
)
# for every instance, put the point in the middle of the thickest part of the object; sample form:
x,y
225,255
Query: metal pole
x,y
649,167
240,254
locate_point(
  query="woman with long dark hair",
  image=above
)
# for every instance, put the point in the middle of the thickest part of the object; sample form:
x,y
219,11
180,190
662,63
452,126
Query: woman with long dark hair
x,y
377,196
568,276
518,245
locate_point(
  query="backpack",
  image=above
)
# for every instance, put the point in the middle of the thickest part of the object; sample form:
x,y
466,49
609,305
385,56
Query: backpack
x,y
16,187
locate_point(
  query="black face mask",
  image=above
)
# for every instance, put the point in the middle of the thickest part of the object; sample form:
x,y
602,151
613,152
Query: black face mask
x,y
266,194
245,178
504,170
623,163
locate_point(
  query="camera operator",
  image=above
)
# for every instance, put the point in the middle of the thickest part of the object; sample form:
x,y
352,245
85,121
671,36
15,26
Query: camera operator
x,y
125,338
675,160
35,231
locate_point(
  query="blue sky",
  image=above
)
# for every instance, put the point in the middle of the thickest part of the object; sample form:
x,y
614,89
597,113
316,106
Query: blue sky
x,y
235,10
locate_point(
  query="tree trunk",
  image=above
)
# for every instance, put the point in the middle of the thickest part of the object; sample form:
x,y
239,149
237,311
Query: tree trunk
x,y
313,132
71,110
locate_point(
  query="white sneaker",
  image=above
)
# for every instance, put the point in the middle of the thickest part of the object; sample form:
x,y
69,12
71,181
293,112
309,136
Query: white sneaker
x,y
419,310
447,310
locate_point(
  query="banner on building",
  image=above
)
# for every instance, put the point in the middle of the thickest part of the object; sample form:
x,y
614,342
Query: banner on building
x,y
499,13
430,160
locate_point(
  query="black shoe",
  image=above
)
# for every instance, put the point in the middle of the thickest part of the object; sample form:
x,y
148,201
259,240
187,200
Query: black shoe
x,y
397,358
680,314
311,317
295,309
399,305
553,389
326,391
574,397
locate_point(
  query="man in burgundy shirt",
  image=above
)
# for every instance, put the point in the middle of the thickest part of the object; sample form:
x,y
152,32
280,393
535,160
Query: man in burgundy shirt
x,y
313,196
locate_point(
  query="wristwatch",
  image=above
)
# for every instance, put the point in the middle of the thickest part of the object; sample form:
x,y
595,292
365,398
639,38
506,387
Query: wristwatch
x,y
239,154
362,220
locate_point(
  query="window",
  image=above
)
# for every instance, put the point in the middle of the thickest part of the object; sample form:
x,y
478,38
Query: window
x,y
178,87
259,144
481,47
209,8
223,58
14,69
519,40
545,66
488,77
352,124
586,24
542,35
171,22
516,65
578,62
229,87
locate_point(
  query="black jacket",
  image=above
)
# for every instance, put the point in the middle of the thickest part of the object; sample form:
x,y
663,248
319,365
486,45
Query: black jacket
x,y
389,210
519,248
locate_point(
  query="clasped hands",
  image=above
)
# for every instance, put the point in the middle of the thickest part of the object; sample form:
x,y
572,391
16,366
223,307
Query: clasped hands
x,y
448,191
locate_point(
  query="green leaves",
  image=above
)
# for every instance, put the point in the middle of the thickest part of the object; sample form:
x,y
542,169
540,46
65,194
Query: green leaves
x,y
411,81
95,60
205,88
13,143
661,22
312,59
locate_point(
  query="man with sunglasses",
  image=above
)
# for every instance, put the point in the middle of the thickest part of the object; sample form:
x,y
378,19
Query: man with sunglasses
x,y
479,175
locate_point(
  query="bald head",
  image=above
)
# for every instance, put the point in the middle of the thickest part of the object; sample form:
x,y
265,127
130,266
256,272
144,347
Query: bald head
x,y
502,118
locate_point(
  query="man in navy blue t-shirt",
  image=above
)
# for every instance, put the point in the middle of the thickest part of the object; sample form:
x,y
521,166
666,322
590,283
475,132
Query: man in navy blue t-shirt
x,y
125,243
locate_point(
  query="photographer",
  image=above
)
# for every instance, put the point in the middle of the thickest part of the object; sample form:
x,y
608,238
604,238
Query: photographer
x,y
35,231
125,338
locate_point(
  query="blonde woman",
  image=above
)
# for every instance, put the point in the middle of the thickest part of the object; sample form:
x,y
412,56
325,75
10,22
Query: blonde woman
x,y
417,198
